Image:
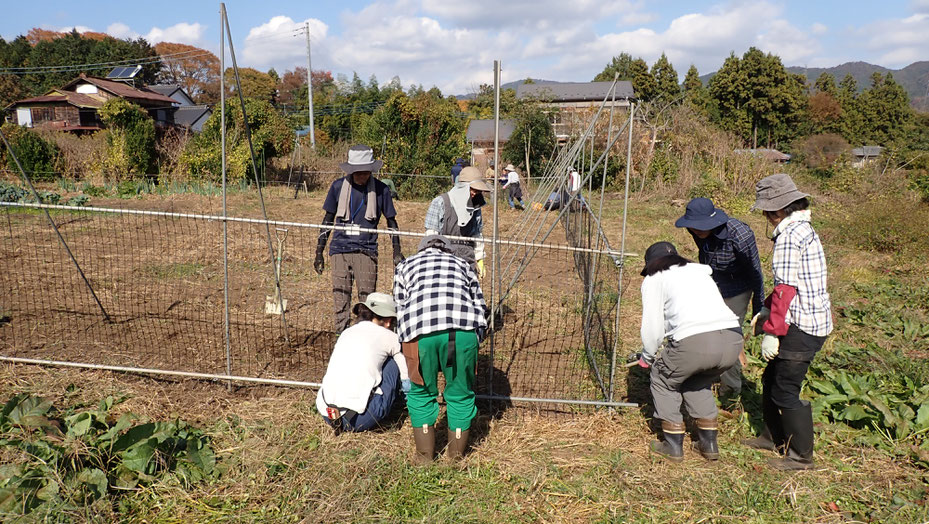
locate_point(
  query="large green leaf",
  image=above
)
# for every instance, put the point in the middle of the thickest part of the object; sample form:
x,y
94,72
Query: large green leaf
x,y
48,492
854,412
79,424
138,457
93,481
30,412
922,416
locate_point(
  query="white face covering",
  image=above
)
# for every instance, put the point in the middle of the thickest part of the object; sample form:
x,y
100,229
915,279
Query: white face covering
x,y
804,215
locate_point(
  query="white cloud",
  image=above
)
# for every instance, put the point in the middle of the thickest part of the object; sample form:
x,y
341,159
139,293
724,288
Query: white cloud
x,y
281,43
497,14
788,42
819,29
182,33
897,42
121,30
919,6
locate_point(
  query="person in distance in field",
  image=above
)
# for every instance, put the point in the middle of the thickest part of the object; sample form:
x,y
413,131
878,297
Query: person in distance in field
x,y
355,201
366,371
681,303
795,321
728,246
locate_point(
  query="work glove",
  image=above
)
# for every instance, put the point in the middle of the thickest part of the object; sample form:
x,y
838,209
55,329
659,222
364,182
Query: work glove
x,y
398,256
759,319
480,268
405,386
770,345
643,363
319,264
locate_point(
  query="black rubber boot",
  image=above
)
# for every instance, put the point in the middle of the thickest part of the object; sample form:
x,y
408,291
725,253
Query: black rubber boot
x,y
672,446
424,439
707,430
772,436
798,427
457,444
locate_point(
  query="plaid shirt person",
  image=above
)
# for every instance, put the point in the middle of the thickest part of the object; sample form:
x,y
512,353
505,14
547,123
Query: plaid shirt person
x,y
799,261
733,255
434,291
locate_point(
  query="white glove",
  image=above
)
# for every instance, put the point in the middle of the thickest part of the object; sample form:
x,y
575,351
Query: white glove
x,y
759,319
770,345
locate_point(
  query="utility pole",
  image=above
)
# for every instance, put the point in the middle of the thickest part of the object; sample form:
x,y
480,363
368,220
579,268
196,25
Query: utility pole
x,y
309,84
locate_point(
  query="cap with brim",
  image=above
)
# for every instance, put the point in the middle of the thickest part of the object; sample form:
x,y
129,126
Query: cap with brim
x,y
381,304
361,158
702,215
474,178
437,241
776,192
658,250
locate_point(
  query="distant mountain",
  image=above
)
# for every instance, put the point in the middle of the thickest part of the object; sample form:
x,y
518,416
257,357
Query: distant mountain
x,y
511,85
914,78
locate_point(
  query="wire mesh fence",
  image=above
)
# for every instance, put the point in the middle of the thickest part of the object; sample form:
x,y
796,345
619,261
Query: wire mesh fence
x,y
159,277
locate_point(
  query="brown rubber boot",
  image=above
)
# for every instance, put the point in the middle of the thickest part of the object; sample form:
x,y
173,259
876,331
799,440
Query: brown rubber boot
x,y
707,430
424,439
672,447
457,443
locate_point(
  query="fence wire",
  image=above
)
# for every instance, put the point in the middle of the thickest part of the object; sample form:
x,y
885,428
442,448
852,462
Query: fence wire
x,y
160,278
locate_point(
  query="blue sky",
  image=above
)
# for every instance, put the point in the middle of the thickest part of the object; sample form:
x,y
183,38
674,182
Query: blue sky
x,y
452,44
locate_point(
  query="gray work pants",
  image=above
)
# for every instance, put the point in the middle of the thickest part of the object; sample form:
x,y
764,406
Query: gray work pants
x,y
347,267
732,377
685,370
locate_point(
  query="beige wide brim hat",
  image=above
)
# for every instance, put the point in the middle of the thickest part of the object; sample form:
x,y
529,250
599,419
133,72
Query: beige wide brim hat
x,y
509,167
361,158
776,192
474,178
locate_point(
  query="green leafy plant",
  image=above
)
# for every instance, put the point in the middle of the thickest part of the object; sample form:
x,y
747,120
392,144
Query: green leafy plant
x,y
73,457
11,193
131,141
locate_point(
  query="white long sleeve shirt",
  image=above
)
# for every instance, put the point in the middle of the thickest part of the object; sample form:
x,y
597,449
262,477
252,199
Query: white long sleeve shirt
x,y
511,178
680,302
355,366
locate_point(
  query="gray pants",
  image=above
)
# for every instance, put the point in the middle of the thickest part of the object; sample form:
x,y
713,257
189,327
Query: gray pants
x,y
347,267
685,370
732,377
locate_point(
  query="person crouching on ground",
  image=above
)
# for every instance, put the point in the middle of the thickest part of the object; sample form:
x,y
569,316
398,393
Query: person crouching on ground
x,y
440,313
796,321
457,213
728,246
681,302
366,371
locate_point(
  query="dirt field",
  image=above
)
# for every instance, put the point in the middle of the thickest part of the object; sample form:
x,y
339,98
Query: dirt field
x,y
160,280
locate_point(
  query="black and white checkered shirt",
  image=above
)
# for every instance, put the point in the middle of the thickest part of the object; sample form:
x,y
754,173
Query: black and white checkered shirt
x,y
435,291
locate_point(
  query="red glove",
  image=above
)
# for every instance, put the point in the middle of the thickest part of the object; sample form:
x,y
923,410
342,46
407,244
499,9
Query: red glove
x,y
778,302
643,363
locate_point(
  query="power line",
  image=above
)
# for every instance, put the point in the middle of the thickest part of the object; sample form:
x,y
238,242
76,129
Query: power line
x,y
128,61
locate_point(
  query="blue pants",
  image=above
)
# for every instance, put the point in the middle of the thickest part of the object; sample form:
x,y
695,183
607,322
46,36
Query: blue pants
x,y
378,405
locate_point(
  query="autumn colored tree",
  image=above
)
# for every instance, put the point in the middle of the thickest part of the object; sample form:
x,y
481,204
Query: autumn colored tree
x,y
190,67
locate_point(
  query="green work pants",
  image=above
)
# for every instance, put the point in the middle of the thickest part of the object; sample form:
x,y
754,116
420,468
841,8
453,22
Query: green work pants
x,y
459,380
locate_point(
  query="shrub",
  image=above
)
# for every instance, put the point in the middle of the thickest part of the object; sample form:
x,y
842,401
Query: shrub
x,y
889,223
81,155
38,156
821,151
131,140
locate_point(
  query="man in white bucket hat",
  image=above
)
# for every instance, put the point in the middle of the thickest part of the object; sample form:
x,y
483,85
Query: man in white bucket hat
x,y
355,202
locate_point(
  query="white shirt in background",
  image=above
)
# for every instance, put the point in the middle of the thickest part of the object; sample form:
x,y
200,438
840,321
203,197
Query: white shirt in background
x,y
355,366
511,178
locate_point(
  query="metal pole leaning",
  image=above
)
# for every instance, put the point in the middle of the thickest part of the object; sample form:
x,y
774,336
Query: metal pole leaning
x,y
251,150
622,247
61,239
222,104
494,270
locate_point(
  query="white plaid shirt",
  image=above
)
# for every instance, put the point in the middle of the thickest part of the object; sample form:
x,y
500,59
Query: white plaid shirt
x,y
434,291
799,261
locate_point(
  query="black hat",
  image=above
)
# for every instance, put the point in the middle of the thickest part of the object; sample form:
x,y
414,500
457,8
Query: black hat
x,y
701,214
656,251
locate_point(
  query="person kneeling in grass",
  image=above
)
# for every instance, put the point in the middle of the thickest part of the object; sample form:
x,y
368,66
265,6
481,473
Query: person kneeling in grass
x,y
366,371
681,302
